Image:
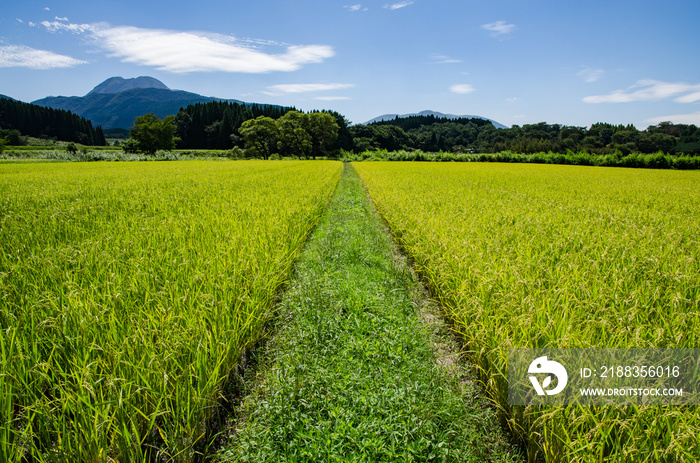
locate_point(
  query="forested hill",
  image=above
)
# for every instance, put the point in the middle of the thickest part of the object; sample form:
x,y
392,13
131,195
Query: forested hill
x,y
429,133
41,122
416,121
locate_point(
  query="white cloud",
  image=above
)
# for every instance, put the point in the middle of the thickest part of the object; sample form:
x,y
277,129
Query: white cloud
x,y
357,7
396,6
19,21
590,74
692,118
56,18
332,98
20,56
443,59
182,52
462,89
304,88
499,28
650,90
514,99
56,26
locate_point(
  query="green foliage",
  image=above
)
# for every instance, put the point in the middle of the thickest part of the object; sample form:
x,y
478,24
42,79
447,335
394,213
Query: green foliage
x,y
38,121
657,160
261,136
130,146
302,135
13,137
323,132
431,134
215,125
152,133
71,148
294,136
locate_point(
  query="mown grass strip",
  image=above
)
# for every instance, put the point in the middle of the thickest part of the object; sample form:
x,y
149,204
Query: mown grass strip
x,y
352,373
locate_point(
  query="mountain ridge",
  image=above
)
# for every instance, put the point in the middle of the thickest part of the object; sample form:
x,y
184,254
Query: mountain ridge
x,y
116,102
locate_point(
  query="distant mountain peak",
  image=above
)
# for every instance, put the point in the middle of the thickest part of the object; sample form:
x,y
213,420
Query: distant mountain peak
x,y
388,117
117,101
120,84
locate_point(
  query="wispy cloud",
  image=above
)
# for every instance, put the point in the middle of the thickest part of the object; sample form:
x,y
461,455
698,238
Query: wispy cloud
x,y
692,118
183,52
396,6
306,88
651,90
443,59
462,89
499,29
590,75
56,18
12,56
357,7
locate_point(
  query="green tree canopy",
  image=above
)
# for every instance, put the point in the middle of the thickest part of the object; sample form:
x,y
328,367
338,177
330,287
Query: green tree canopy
x,y
152,133
323,131
294,134
260,136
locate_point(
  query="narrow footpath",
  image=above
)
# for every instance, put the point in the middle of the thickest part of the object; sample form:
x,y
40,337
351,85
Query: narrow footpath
x,y
353,373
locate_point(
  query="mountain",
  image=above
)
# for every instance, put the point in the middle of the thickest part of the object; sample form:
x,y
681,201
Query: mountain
x,y
388,117
120,84
116,102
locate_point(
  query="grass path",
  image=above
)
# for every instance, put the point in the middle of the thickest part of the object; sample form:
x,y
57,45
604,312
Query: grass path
x,y
353,373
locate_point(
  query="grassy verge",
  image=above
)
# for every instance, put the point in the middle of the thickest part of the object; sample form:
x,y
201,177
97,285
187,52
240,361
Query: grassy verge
x,y
352,374
659,160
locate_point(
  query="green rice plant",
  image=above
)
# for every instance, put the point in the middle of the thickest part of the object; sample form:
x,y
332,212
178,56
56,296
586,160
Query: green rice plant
x,y
558,256
129,291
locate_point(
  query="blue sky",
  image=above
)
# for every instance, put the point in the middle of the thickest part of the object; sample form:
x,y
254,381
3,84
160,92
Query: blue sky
x,y
514,61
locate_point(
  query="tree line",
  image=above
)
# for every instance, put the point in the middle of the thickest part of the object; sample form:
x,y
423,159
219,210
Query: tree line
x,y
217,125
432,134
223,125
19,119
304,135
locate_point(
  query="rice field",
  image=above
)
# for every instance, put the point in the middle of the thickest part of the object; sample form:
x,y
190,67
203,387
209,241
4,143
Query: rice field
x,y
558,256
129,291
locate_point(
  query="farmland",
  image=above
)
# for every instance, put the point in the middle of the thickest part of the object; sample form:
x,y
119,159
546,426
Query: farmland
x,y
558,256
129,291
131,294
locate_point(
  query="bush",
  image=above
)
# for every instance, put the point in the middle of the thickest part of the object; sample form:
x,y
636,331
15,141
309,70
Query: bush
x,y
130,146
